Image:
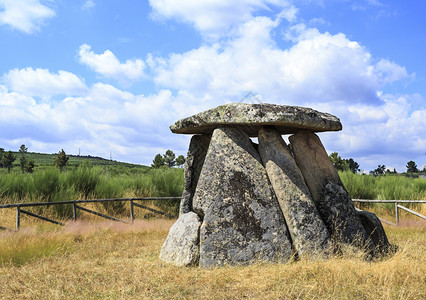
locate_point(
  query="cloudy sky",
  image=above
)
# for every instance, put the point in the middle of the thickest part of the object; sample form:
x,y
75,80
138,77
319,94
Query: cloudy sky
x,y
108,77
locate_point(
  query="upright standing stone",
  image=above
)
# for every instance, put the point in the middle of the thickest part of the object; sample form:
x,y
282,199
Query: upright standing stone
x,y
330,196
181,245
307,230
376,232
242,221
193,164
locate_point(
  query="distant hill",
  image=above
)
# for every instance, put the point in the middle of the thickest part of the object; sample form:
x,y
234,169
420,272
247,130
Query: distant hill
x,y
44,159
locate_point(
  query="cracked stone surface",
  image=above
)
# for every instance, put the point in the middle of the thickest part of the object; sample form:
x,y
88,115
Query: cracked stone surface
x,y
251,117
242,220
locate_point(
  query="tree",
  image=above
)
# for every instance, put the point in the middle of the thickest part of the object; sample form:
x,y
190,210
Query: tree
x,y
411,167
158,161
337,161
23,160
180,161
169,158
380,170
353,165
61,160
29,167
8,159
1,157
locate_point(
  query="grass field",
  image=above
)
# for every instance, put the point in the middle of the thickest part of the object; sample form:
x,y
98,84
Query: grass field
x,y
119,261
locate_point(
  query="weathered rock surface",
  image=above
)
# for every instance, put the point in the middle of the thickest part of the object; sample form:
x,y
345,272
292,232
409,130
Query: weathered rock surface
x,y
376,232
182,243
242,221
193,164
251,117
330,196
307,230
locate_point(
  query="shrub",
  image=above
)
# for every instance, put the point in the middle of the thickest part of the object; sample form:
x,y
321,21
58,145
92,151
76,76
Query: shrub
x,y
46,184
84,180
108,188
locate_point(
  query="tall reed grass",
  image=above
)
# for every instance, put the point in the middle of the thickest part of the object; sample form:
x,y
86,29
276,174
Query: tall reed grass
x,y
387,187
91,182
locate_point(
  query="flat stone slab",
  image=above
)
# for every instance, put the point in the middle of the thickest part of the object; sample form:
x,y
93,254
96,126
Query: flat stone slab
x,y
251,117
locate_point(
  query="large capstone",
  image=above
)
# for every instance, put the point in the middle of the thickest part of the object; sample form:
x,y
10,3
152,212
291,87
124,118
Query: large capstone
x,y
330,196
307,230
193,164
251,117
242,220
182,245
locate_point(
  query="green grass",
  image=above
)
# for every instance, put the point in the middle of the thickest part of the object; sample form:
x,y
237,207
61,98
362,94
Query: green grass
x,y
23,249
91,182
387,187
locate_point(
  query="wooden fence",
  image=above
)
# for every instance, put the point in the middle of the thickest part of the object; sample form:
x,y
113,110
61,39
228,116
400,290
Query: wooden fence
x,y
397,207
133,203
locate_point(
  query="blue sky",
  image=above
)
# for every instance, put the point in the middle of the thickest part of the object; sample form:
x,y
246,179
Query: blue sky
x,y
107,78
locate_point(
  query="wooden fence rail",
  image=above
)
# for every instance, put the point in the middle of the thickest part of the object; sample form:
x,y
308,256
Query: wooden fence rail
x,y
75,203
397,207
76,207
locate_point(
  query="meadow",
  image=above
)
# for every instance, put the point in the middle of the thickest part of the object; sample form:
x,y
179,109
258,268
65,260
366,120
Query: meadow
x,y
103,260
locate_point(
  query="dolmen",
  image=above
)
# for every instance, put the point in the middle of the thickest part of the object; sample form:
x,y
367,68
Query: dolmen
x,y
246,202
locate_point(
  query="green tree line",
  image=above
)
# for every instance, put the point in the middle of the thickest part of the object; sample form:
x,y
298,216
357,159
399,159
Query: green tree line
x,y
351,165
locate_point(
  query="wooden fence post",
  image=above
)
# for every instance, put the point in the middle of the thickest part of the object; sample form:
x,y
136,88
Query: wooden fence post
x,y
74,211
18,217
396,213
132,216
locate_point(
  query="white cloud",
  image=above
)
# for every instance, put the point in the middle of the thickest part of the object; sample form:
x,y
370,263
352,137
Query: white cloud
x,y
214,18
390,71
108,65
389,134
42,83
328,72
103,120
88,5
24,15
319,67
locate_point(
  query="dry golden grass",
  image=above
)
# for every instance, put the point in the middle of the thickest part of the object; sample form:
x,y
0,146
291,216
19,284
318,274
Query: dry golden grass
x,y
107,260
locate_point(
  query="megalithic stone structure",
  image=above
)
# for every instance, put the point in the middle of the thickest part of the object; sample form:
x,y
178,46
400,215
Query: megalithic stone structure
x,y
331,198
307,230
244,202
